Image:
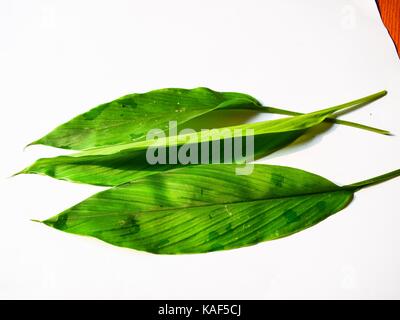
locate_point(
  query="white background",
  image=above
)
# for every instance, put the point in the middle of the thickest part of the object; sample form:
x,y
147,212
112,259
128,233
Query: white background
x,y
59,58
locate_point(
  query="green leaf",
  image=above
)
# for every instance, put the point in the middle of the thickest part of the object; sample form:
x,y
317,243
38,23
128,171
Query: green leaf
x,y
208,208
115,169
299,122
117,164
129,118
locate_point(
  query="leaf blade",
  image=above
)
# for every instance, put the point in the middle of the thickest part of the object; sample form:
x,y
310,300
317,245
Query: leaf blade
x,y
130,117
178,211
116,169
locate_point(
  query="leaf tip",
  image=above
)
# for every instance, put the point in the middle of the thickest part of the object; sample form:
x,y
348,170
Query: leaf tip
x,y
36,142
16,174
36,220
23,171
384,132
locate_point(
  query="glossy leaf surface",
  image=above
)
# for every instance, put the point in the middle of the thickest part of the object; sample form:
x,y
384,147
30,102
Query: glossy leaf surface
x,y
129,118
208,208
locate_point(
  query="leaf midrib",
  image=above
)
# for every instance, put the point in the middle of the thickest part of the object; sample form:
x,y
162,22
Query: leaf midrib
x,y
211,204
